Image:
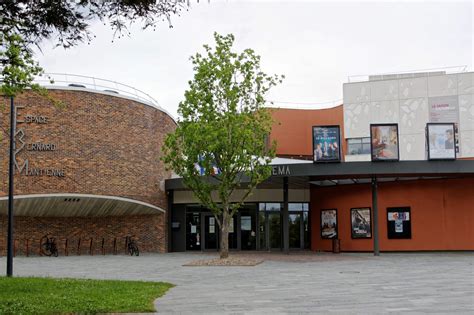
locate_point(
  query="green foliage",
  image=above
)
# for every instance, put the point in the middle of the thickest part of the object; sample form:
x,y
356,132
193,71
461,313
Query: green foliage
x,y
55,296
224,125
67,22
18,66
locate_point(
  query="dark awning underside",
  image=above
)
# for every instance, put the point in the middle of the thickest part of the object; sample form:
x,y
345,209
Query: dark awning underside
x,y
305,174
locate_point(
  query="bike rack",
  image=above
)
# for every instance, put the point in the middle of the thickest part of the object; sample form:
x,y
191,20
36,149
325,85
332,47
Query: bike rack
x,y
79,247
103,245
103,249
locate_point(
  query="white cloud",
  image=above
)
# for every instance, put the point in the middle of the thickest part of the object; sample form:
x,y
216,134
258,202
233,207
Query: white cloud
x,y
317,45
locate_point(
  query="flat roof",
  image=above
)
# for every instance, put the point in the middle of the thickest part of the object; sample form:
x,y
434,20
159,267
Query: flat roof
x,y
301,175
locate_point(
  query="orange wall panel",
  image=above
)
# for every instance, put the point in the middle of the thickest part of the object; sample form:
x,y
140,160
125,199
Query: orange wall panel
x,y
442,214
293,128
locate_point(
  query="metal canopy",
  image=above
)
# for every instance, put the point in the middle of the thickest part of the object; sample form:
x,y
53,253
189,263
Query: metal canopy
x,y
301,176
76,205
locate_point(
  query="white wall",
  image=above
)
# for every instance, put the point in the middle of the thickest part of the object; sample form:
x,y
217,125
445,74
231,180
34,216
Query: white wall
x,y
406,102
259,195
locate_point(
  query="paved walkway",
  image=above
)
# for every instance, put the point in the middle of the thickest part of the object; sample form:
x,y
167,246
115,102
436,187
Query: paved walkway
x,y
299,283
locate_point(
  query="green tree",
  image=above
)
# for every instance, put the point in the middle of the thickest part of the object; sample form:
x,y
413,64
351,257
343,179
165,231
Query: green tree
x,y
68,21
18,66
219,147
24,23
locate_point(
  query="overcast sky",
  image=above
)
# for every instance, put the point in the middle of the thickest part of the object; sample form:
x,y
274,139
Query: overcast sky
x,y
316,44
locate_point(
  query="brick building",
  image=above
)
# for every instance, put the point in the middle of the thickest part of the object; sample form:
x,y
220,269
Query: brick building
x,y
87,171
392,169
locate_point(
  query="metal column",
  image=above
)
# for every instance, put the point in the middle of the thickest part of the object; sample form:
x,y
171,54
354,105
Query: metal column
x,y
285,217
10,191
376,216
170,194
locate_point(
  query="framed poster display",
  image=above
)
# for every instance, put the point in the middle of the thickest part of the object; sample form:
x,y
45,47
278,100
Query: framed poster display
x,y
329,223
445,109
384,142
361,223
399,223
441,139
326,144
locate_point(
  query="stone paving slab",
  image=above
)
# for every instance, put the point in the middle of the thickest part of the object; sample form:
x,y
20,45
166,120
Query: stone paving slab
x,y
305,283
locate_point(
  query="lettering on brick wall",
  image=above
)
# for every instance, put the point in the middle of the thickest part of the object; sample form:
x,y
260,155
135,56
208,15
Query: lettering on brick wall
x,y
23,167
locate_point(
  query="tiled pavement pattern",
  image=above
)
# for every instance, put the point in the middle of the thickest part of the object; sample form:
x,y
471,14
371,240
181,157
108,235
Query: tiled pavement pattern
x,y
297,283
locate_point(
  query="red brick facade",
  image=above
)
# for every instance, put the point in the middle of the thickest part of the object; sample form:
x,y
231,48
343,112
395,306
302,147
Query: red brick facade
x,y
87,235
106,145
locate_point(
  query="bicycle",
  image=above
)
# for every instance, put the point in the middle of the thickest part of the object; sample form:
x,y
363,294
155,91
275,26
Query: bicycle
x,y
132,247
48,246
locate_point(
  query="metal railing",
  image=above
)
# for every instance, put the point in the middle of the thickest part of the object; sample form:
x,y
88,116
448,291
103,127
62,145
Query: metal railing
x,y
303,105
97,84
407,74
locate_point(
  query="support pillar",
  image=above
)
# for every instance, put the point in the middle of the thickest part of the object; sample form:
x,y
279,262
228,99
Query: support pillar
x,y
285,217
169,216
375,209
10,191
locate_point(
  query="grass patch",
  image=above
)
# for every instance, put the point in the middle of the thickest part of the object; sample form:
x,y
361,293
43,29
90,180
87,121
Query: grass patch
x,y
48,295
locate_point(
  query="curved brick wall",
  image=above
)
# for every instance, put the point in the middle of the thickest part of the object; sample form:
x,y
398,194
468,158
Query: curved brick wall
x,y
106,145
96,144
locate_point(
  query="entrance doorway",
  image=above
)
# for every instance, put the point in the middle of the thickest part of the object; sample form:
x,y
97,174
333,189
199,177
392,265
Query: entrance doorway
x,y
274,230
193,231
203,231
270,226
211,232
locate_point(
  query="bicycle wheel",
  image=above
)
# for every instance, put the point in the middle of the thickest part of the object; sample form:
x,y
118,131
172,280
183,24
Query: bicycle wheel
x,y
133,250
45,250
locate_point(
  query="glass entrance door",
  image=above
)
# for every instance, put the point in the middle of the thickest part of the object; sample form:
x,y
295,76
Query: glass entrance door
x,y
295,228
274,230
211,232
248,230
193,231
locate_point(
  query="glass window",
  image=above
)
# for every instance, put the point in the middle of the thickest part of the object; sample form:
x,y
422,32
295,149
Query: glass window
x,y
305,207
356,146
295,207
273,207
261,206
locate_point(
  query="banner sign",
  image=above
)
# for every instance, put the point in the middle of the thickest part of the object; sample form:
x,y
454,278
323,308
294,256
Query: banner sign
x,y
326,144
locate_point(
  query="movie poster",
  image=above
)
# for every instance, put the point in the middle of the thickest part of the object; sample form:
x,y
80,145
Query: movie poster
x,y
445,109
384,142
326,144
361,223
441,141
398,223
329,223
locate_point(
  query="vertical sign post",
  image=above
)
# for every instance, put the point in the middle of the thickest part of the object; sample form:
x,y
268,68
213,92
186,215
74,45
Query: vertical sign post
x,y
376,216
10,192
285,217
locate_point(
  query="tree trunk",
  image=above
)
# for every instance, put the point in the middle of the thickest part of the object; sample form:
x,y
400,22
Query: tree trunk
x,y
224,241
